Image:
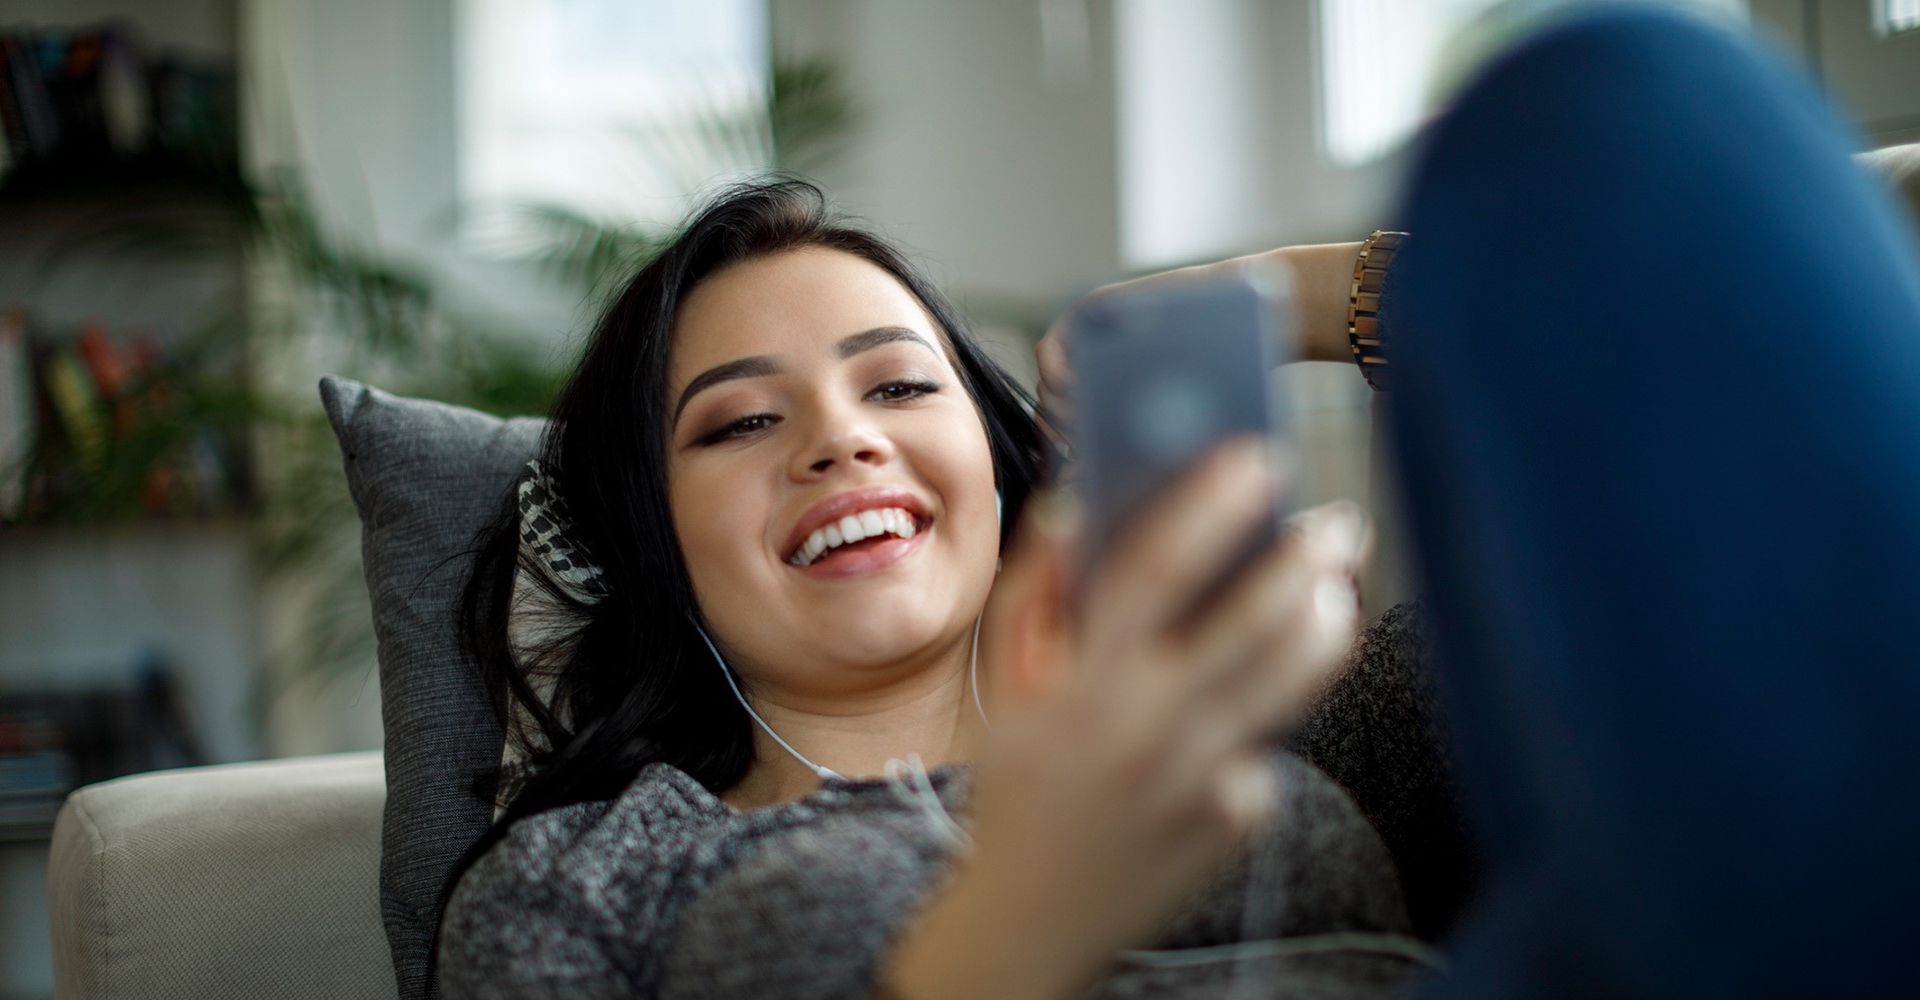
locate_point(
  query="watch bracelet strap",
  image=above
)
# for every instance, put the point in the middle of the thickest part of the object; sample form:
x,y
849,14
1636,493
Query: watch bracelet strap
x,y
1363,304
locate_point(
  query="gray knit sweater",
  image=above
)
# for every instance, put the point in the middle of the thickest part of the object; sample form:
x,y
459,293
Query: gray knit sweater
x,y
669,892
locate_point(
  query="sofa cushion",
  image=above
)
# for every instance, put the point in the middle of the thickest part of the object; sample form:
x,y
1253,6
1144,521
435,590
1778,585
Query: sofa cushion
x,y
426,478
242,880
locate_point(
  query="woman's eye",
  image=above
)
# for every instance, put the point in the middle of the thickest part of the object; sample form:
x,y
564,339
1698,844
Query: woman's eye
x,y
740,428
894,392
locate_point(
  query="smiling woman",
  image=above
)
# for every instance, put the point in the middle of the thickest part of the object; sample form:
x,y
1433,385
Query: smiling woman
x,y
808,447
768,367
784,459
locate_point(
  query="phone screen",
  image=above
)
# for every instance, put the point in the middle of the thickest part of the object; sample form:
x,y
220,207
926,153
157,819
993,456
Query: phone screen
x,y
1163,374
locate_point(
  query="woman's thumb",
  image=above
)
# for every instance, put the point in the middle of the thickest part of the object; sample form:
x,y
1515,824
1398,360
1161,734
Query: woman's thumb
x,y
1024,649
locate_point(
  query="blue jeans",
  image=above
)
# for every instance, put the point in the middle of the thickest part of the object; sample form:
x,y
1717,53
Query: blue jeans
x,y
1656,407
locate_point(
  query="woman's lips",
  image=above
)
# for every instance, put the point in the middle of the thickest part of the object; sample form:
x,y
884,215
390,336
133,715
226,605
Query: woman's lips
x,y
864,558
854,502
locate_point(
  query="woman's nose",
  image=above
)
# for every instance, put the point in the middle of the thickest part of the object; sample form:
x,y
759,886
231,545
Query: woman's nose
x,y
842,442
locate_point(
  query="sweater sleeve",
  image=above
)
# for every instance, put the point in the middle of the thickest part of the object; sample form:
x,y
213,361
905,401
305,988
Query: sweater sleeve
x,y
810,913
658,894
576,902
519,925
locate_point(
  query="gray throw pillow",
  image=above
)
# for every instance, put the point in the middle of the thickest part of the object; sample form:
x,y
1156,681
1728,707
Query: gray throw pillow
x,y
426,477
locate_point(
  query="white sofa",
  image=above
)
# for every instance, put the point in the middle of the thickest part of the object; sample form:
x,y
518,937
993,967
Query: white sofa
x,y
238,880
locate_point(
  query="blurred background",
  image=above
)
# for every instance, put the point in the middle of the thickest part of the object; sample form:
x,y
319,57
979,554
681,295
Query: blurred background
x,y
206,204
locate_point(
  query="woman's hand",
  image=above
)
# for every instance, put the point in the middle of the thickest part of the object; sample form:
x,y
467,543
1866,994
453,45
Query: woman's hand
x,y
1125,764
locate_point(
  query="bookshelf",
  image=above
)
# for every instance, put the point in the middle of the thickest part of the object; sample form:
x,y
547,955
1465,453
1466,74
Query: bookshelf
x,y
128,583
121,289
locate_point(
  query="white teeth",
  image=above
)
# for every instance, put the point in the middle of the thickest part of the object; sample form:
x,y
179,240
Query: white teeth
x,y
854,528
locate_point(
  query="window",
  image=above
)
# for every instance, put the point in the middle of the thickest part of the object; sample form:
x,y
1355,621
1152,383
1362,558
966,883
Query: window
x,y
620,110
1379,57
1890,17
1376,57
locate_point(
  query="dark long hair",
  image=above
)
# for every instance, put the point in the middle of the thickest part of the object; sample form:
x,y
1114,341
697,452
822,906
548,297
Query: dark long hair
x,y
631,681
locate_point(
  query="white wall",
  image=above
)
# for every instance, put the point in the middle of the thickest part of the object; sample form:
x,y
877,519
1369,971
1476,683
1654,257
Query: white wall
x,y
1876,79
997,169
358,97
1220,146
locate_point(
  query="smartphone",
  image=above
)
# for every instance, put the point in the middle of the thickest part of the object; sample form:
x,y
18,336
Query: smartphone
x,y
1161,375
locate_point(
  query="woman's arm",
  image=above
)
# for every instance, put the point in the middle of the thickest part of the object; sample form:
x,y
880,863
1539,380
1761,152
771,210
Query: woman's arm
x,y
974,941
1322,276
1128,754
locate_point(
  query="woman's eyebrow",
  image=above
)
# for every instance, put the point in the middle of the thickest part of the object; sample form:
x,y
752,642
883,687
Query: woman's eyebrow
x,y
747,367
850,346
761,364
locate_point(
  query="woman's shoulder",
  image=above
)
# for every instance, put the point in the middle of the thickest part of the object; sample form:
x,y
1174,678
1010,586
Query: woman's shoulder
x,y
660,807
590,871
661,814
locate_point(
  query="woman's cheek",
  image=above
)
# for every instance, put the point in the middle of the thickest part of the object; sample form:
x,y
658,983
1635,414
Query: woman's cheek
x,y
965,479
714,541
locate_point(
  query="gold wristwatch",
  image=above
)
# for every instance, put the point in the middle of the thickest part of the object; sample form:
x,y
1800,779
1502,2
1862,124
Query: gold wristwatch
x,y
1363,304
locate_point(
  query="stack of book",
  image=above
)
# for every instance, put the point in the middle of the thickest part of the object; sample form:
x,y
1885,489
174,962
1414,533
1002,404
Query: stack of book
x,y
94,96
105,426
52,742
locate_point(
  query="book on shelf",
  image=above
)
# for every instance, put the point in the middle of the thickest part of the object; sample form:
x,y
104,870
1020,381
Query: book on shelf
x,y
94,95
17,413
76,405
112,425
107,366
54,741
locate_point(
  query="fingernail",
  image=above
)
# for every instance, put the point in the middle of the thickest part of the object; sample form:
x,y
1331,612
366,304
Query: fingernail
x,y
1247,458
1237,452
1344,533
1334,600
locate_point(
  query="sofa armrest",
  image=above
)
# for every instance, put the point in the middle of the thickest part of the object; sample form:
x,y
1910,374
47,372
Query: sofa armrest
x,y
256,879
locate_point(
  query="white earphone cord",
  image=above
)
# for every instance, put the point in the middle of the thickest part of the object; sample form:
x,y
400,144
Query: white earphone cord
x,y
915,788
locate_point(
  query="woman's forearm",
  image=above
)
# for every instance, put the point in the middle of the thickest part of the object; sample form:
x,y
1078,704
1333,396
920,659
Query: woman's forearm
x,y
1322,276
974,940
1322,280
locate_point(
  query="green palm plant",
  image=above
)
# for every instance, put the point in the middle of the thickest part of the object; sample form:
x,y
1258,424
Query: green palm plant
x,y
393,328
324,303
806,123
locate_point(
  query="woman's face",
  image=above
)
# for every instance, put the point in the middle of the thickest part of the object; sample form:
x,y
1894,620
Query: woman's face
x,y
812,402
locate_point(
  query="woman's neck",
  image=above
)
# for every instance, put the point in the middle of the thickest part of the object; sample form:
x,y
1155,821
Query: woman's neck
x,y
940,723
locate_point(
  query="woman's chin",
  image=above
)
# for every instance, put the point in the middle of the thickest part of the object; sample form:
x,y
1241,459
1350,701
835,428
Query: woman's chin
x,y
876,637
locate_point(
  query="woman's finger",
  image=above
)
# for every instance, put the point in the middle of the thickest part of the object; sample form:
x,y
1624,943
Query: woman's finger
x,y
1329,541
1297,666
1056,383
1023,630
1234,643
1178,545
